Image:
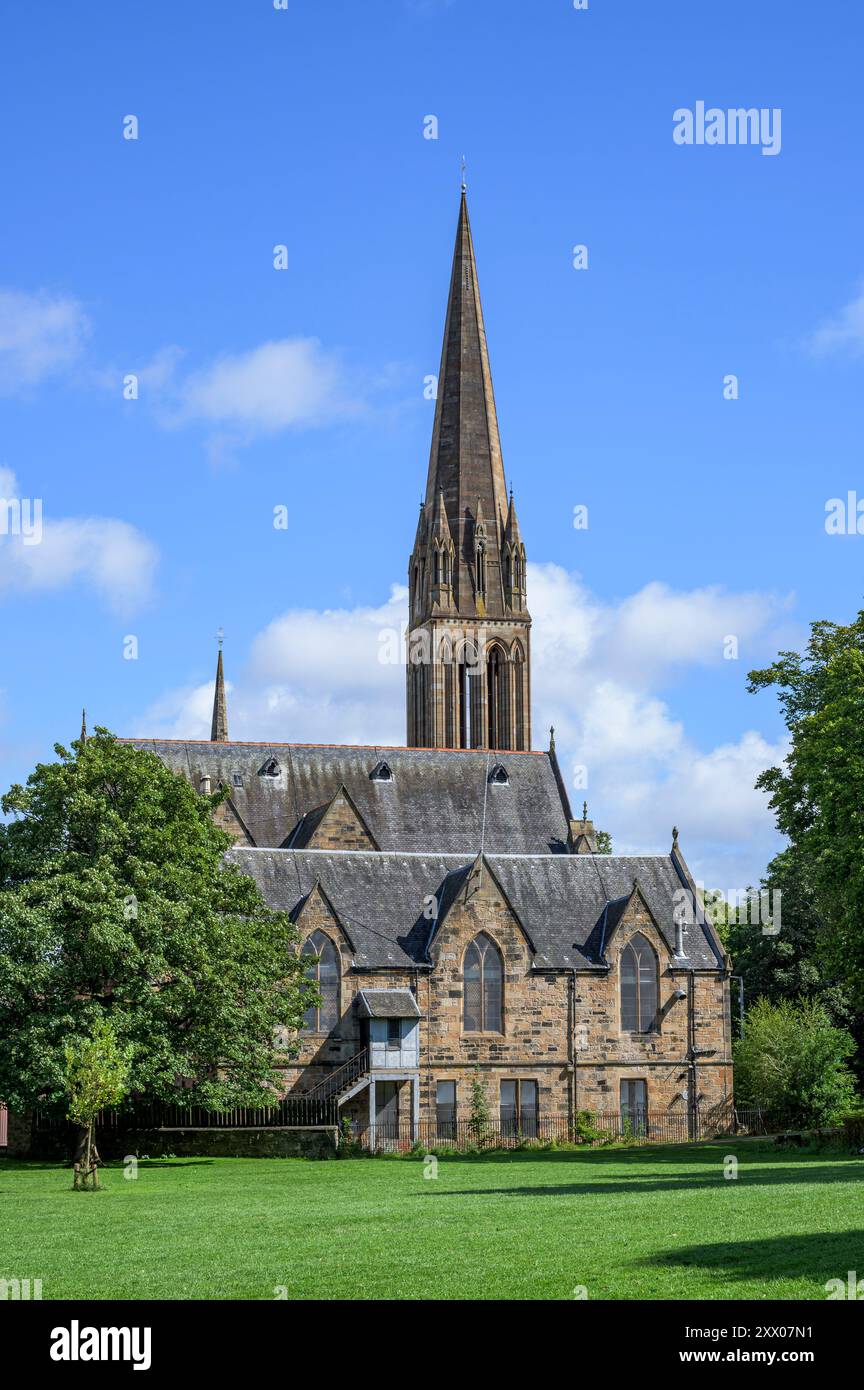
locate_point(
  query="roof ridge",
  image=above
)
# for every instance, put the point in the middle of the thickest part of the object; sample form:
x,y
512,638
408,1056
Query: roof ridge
x,y
357,747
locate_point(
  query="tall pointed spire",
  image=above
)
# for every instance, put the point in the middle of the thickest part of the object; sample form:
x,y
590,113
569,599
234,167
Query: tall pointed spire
x,y
465,461
219,726
469,676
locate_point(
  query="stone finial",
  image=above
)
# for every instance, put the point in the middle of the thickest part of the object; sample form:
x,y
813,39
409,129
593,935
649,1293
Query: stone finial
x,y
83,726
584,810
674,837
551,738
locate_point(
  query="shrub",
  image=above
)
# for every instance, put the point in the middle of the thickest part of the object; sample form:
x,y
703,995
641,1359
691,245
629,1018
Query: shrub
x,y
792,1063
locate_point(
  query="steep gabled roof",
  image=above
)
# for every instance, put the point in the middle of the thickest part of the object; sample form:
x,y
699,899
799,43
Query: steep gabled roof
x,y
435,798
388,902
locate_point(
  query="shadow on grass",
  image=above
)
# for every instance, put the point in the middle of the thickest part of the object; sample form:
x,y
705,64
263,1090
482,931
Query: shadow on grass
x,y
815,1256
775,1174
111,1165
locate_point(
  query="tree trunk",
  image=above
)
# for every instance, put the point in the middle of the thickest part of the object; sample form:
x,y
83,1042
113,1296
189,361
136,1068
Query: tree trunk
x,y
86,1161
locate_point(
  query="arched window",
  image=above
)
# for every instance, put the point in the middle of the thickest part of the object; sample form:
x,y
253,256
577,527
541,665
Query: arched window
x,y
483,1000
519,738
323,969
497,698
638,987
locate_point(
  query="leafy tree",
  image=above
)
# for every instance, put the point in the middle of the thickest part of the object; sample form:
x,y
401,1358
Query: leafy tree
x,y
116,902
97,1072
818,795
792,1063
789,965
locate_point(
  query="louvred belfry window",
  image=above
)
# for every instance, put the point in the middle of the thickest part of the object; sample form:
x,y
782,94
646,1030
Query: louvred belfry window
x,y
638,987
323,969
483,983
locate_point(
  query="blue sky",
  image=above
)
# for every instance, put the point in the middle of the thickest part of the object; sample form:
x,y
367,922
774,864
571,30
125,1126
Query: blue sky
x,y
304,387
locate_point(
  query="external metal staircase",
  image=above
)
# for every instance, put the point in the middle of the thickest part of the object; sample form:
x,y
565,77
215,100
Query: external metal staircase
x,y
344,1082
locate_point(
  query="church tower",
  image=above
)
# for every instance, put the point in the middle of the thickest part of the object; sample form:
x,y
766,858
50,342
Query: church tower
x,y
469,675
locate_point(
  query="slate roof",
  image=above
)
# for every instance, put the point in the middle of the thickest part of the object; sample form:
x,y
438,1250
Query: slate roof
x,y
388,1003
436,796
567,904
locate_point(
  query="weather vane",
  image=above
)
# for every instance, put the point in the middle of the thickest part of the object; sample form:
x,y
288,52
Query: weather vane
x,y
220,637
464,184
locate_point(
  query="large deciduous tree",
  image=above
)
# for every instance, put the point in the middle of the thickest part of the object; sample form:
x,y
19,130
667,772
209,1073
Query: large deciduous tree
x,y
818,795
116,902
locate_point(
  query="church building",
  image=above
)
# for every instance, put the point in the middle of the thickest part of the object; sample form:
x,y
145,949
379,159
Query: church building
x,y
460,922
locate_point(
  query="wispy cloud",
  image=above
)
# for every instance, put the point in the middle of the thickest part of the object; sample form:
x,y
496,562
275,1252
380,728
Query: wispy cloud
x,y
289,383
109,555
41,335
844,332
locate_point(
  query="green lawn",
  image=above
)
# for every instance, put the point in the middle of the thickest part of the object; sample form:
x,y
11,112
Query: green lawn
x,y
648,1223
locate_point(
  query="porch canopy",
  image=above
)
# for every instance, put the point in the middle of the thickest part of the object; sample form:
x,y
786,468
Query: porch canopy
x,y
388,1003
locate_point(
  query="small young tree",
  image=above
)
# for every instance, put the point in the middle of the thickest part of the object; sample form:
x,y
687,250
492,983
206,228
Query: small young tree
x,y
792,1063
97,1073
479,1118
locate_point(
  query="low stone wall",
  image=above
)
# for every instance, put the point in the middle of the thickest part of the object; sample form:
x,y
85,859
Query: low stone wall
x,y
283,1142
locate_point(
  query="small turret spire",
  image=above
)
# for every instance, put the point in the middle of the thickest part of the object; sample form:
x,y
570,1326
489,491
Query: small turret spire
x,y
83,726
219,726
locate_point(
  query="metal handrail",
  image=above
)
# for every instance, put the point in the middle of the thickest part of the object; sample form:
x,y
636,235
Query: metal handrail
x,y
340,1079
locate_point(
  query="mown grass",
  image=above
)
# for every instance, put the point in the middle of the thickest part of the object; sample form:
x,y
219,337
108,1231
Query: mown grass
x,y
624,1224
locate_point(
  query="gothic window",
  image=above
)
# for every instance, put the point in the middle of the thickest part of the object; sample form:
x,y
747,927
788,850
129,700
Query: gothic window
x,y
498,776
519,702
638,987
436,561
270,769
381,773
483,999
498,698
323,969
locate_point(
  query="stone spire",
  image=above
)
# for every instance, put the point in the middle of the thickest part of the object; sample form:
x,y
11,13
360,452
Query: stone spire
x,y
83,726
465,461
219,727
468,678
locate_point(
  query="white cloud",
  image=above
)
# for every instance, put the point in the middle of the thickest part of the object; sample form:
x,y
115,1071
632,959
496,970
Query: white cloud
x,y
602,673
40,335
291,382
844,331
312,677
110,555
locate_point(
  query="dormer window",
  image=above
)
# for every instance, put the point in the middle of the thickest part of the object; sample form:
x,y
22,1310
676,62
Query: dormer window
x,y
270,769
381,773
237,779
499,776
